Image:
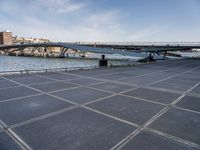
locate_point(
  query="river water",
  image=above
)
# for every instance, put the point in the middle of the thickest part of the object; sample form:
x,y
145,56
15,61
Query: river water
x,y
13,63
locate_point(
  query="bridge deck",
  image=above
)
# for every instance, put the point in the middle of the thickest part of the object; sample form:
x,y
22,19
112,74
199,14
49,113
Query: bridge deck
x,y
147,107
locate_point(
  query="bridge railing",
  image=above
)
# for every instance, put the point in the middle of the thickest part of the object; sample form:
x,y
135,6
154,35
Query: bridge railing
x,y
143,43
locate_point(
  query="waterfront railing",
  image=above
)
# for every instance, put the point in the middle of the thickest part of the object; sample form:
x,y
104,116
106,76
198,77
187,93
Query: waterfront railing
x,y
46,70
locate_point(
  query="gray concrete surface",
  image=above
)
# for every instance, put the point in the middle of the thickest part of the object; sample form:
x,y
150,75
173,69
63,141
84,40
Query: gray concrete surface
x,y
146,107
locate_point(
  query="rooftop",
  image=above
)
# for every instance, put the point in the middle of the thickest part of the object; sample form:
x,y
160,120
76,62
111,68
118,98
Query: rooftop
x,y
146,107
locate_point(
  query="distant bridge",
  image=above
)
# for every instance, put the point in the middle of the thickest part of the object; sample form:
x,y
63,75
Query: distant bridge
x,y
130,49
146,46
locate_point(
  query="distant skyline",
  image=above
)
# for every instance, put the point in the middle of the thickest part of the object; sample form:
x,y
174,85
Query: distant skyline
x,y
103,20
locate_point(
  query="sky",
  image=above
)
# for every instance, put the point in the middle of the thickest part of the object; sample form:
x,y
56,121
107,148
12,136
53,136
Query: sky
x,y
103,20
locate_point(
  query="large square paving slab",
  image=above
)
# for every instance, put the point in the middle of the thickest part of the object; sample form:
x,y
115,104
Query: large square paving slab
x,y
139,81
6,84
53,86
129,74
33,80
153,95
151,141
196,90
7,143
16,92
170,85
85,81
1,128
179,123
91,72
81,95
183,81
191,76
19,76
77,129
113,87
58,76
190,102
16,111
110,77
132,110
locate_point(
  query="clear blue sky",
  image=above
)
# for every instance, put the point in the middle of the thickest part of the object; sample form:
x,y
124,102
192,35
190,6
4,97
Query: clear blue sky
x,y
103,20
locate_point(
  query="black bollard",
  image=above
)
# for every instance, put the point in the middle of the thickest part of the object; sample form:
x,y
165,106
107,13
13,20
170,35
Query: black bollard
x,y
103,62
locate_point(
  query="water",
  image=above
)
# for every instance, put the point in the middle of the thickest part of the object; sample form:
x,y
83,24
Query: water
x,y
13,63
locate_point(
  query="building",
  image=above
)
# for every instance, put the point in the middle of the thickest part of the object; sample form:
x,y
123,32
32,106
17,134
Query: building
x,y
6,37
19,40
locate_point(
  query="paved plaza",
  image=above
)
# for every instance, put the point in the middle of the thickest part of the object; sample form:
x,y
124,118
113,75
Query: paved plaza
x,y
145,107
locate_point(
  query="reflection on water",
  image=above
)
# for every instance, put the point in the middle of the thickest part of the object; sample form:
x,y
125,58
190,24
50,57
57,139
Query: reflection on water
x,y
13,63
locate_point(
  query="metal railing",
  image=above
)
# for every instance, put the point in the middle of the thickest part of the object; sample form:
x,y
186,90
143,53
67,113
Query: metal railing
x,y
21,72
143,43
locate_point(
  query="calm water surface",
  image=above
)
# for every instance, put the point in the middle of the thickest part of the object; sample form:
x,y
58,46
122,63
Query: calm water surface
x,y
13,63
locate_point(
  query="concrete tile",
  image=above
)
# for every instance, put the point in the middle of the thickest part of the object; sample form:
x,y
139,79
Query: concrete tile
x,y
7,143
15,77
153,95
196,90
180,123
59,76
139,80
124,69
159,75
172,86
47,73
140,71
81,95
184,81
6,84
77,129
126,108
1,128
151,141
128,74
16,92
85,81
190,102
27,108
190,76
110,77
53,86
90,72
113,87
33,80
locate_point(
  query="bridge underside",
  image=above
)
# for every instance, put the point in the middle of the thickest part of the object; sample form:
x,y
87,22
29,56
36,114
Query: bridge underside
x,y
58,51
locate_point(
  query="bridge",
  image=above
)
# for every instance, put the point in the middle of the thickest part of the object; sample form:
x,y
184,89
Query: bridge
x,y
146,46
139,49
65,47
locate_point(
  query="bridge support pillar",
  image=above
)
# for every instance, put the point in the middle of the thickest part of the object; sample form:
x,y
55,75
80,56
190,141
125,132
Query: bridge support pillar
x,y
165,54
148,59
62,56
62,53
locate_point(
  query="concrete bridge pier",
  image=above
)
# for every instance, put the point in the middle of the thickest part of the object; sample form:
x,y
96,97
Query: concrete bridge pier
x,y
62,52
